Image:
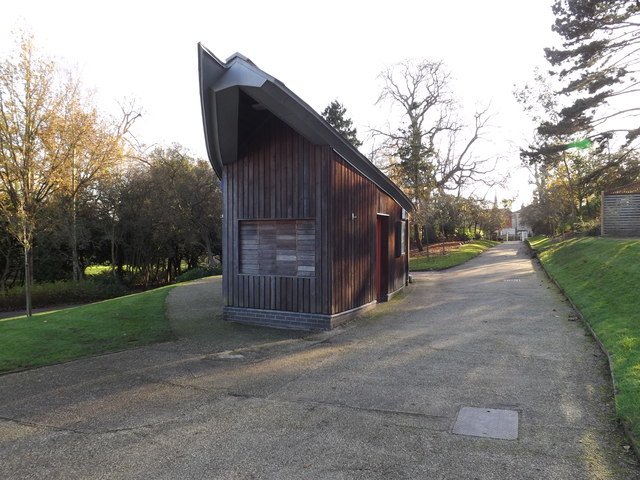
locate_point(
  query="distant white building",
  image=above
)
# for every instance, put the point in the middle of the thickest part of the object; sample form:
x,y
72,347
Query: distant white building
x,y
515,228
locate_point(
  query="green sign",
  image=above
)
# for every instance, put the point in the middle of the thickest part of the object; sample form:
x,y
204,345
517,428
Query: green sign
x,y
581,144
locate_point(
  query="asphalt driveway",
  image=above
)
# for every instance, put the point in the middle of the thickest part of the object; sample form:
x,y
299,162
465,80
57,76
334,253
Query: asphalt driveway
x,y
378,398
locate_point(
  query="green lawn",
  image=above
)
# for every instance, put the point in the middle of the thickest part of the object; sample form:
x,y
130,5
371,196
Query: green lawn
x,y
105,326
451,259
602,278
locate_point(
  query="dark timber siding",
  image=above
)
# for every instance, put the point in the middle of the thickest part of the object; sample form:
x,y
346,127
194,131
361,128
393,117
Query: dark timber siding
x,y
353,245
279,176
621,214
281,191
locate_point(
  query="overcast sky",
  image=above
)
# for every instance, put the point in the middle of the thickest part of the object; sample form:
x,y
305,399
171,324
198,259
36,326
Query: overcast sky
x,y
322,51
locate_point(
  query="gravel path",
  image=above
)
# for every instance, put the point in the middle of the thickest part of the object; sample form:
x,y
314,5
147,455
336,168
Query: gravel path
x,y
380,398
195,313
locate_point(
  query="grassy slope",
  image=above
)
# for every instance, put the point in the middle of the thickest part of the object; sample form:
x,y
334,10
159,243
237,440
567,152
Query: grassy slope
x,y
439,262
602,278
75,332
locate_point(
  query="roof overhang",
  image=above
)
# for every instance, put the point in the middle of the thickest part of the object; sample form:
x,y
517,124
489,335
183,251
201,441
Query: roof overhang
x,y
220,86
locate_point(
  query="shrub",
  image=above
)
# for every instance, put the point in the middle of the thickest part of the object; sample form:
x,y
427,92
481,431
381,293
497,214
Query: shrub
x,y
590,228
63,292
110,282
593,231
199,272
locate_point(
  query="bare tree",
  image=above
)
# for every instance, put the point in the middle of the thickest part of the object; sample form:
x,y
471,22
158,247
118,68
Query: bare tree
x,y
432,149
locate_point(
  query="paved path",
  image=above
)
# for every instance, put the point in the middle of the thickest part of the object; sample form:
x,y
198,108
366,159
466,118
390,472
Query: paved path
x,y
195,313
375,400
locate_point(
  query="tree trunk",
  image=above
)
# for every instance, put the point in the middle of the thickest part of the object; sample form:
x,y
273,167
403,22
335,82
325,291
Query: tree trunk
x,y
207,244
77,271
77,274
570,183
416,236
6,271
31,269
177,264
27,278
426,239
113,251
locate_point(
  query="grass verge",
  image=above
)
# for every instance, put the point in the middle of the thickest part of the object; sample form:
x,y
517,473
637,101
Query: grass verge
x,y
540,242
452,258
601,276
101,327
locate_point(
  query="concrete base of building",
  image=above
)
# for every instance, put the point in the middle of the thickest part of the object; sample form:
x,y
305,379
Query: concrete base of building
x,y
294,320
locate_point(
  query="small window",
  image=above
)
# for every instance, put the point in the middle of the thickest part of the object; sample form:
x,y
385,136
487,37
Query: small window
x,y
278,247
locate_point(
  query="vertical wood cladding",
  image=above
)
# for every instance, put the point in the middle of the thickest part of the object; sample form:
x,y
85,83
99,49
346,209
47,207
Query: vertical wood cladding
x,y
355,203
279,179
282,182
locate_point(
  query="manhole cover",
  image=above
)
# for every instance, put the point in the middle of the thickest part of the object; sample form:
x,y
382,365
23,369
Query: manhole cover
x,y
487,422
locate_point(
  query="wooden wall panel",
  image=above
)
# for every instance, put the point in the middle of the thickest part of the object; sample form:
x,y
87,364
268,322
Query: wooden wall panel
x,y
355,203
279,176
621,214
277,247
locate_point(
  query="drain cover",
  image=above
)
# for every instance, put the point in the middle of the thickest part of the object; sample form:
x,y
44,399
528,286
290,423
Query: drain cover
x,y
487,422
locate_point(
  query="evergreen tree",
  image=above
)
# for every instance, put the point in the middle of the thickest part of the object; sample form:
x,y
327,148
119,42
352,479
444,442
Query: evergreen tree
x,y
597,65
335,114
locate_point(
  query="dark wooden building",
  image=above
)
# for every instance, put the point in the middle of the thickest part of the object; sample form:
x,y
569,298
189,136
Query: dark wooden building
x,y
312,231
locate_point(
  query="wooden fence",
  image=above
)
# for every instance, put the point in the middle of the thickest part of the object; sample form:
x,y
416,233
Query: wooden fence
x,y
620,216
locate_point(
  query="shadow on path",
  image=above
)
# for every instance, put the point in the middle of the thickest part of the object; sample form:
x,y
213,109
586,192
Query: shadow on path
x,y
194,310
377,399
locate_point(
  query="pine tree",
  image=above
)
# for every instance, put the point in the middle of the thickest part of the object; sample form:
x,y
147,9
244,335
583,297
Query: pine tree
x,y
598,65
335,114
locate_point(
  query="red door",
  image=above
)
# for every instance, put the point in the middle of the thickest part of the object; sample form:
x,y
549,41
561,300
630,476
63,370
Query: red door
x,y
382,258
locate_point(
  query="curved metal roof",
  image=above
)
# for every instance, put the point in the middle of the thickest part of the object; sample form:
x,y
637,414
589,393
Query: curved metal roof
x,y
220,86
